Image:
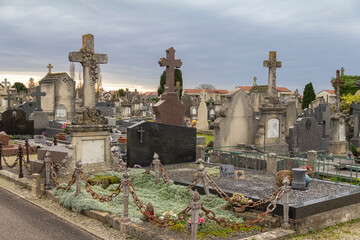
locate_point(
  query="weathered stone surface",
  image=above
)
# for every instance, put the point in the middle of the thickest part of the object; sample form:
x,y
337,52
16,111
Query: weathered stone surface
x,y
202,122
89,116
41,121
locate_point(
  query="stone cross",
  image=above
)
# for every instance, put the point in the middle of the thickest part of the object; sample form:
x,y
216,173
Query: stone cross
x,y
342,71
141,131
272,64
170,62
9,98
49,67
6,85
89,60
255,78
337,84
38,96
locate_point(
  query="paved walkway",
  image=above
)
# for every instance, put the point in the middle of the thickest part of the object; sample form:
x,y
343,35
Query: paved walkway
x,y
23,220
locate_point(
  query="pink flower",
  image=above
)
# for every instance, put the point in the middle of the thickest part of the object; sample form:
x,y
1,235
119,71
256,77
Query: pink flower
x,y
200,220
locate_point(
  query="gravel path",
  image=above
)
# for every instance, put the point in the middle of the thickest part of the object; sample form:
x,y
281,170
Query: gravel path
x,y
259,184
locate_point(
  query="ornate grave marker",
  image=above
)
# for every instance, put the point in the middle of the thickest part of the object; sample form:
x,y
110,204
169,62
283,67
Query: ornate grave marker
x,y
9,98
272,64
38,94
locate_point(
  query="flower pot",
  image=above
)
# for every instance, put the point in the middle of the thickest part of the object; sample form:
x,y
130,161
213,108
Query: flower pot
x,y
239,209
122,140
61,137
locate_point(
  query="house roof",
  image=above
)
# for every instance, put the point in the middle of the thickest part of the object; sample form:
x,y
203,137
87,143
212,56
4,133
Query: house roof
x,y
247,88
328,91
50,77
220,91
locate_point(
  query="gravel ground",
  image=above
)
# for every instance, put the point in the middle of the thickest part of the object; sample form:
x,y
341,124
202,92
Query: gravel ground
x,y
260,184
79,220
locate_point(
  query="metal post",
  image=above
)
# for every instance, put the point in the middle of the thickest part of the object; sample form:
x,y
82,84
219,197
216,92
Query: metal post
x,y
125,182
195,207
156,163
0,155
27,150
55,141
287,189
78,170
202,174
21,175
47,171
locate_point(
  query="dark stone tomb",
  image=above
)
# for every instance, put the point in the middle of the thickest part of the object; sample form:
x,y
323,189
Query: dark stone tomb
x,y
28,108
227,170
174,144
14,122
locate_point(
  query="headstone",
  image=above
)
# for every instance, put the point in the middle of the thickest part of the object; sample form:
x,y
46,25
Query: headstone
x,y
40,139
202,121
61,112
355,109
28,108
186,100
174,144
38,94
89,60
14,122
273,128
169,110
227,170
9,98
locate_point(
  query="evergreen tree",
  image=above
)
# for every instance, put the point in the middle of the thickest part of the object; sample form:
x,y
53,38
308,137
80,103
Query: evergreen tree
x,y
20,87
308,95
177,78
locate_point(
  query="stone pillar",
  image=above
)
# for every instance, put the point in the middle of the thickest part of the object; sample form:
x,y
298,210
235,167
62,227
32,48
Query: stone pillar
x,y
78,170
202,174
47,170
312,160
35,188
195,207
287,189
125,182
89,98
271,163
156,163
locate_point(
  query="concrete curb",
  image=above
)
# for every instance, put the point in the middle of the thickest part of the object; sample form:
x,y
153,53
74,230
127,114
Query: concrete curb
x,y
274,234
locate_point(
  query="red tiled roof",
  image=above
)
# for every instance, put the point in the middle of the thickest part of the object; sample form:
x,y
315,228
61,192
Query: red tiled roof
x,y
148,93
330,91
280,89
207,91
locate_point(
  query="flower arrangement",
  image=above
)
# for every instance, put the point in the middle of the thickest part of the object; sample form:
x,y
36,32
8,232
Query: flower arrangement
x,y
65,125
168,215
239,202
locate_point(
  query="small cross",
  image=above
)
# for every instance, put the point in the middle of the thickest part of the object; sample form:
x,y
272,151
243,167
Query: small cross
x,y
6,85
255,78
38,96
141,131
272,64
9,98
170,63
49,67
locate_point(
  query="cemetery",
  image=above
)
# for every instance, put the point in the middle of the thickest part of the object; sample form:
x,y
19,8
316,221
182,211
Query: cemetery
x,y
196,165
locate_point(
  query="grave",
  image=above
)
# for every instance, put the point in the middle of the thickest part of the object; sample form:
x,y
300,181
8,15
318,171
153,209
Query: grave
x,y
355,140
28,108
202,122
61,112
14,122
227,170
338,144
41,119
169,110
174,144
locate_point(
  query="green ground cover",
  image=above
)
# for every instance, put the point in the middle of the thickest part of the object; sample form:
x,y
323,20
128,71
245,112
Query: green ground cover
x,y
164,197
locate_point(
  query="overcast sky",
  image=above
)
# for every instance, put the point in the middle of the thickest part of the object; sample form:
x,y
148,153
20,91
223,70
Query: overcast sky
x,y
221,42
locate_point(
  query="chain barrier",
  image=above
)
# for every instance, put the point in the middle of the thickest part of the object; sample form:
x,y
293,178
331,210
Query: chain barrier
x,y
248,223
94,195
150,167
6,163
222,194
164,175
152,219
193,183
54,166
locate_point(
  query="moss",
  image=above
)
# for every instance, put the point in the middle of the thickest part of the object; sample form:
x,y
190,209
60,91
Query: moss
x,y
103,180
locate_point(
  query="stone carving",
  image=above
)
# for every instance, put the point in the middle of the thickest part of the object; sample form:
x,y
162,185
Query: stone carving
x,y
90,61
272,64
89,116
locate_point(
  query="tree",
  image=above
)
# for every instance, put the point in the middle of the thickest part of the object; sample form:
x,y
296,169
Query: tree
x,y
205,86
121,92
20,87
177,78
308,95
350,86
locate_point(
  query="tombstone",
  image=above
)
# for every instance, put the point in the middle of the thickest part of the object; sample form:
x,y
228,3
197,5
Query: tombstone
x,y
169,110
41,139
14,122
323,115
61,112
41,119
337,144
355,110
105,109
28,108
174,144
186,100
305,135
273,128
227,170
202,121
9,98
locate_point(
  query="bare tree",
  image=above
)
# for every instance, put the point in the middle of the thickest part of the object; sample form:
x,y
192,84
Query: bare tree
x,y
205,86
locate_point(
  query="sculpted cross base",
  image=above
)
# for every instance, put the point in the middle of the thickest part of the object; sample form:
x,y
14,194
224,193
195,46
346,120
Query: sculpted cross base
x,y
89,116
169,110
271,101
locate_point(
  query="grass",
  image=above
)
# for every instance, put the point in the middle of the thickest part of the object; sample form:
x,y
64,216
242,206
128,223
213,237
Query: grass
x,y
208,138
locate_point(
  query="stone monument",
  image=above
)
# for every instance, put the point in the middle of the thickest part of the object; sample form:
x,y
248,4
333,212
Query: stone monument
x,y
202,122
41,119
169,109
89,129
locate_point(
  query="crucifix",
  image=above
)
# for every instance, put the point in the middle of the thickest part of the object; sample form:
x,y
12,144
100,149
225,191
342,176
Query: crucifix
x,y
141,132
38,96
272,64
49,67
170,62
89,60
9,98
337,84
6,85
